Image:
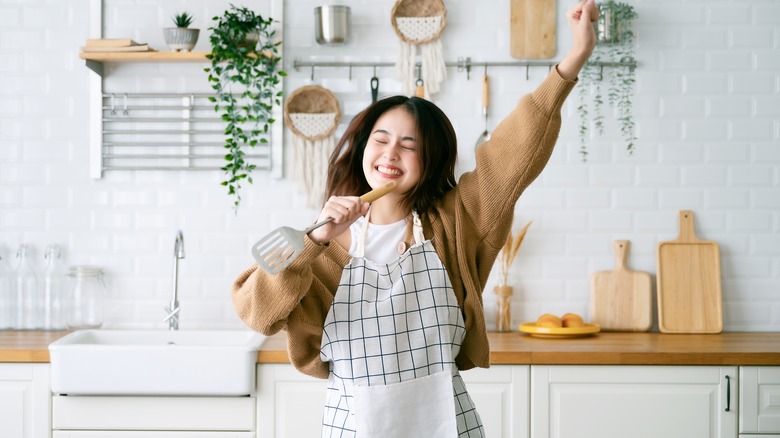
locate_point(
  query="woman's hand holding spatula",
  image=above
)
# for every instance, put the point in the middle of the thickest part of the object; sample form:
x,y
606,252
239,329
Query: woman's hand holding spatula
x,y
344,210
278,249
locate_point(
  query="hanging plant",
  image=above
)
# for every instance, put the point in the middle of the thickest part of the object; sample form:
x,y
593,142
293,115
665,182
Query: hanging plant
x,y
615,45
245,77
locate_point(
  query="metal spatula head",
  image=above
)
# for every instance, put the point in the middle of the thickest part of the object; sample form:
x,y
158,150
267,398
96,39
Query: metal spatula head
x,y
280,247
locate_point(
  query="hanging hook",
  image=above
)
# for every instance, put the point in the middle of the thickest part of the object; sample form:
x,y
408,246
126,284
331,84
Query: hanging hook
x,y
312,72
350,72
125,111
601,72
192,100
527,67
465,64
374,70
113,104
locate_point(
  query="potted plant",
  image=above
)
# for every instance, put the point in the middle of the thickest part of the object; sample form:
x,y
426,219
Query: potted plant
x,y
246,80
181,38
614,30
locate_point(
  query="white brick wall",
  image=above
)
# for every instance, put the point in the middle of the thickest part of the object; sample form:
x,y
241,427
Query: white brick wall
x,y
707,110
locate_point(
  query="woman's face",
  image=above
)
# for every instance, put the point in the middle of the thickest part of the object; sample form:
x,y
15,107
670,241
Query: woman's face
x,y
391,153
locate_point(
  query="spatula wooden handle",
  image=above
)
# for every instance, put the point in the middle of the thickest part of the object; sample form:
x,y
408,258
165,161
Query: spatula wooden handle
x,y
378,192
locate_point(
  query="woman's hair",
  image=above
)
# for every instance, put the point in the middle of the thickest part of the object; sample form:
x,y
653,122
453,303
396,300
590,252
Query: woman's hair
x,y
436,145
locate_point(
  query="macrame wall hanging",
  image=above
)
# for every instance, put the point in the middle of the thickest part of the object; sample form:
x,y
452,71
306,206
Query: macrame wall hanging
x,y
312,114
420,23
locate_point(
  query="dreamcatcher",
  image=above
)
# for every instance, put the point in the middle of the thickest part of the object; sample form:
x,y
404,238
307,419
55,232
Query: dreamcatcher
x,y
420,23
312,114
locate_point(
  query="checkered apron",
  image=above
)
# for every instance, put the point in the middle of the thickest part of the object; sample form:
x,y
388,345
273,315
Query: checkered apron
x,y
389,324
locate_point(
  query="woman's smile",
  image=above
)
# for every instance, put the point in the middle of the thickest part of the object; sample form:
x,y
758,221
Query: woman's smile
x,y
391,152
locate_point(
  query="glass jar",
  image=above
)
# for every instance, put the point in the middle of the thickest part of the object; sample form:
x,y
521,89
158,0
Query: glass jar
x,y
86,293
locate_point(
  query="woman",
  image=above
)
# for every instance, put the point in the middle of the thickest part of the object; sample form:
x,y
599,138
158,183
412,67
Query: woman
x,y
385,301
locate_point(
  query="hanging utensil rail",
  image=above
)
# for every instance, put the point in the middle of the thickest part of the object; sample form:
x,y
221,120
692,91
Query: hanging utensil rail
x,y
463,64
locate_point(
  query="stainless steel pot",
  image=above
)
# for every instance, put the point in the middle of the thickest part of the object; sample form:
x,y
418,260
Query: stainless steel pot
x,y
331,24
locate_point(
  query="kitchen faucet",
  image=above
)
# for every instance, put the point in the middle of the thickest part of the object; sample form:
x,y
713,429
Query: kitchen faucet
x,y
173,308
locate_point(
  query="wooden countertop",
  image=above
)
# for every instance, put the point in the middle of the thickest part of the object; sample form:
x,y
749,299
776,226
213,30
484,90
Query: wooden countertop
x,y
736,348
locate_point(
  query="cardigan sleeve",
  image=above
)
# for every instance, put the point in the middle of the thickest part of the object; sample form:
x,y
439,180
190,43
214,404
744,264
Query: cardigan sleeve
x,y
295,300
515,155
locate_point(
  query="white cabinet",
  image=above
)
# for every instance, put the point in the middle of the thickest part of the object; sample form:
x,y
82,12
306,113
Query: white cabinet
x,y
290,404
501,394
24,400
759,401
635,401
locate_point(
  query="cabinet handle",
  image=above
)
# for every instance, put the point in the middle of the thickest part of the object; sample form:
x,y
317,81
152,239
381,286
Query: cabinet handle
x,y
728,393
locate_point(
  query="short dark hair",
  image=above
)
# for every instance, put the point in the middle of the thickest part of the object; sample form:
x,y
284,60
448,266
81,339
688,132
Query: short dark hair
x,y
436,143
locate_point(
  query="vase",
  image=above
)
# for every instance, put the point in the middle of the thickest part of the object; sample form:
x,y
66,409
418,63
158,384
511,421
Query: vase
x,y
181,39
609,27
504,314
250,41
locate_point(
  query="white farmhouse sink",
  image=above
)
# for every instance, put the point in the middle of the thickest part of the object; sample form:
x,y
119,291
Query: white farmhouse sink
x,y
155,362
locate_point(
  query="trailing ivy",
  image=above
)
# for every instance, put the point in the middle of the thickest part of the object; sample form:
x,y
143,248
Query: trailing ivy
x,y
615,45
246,78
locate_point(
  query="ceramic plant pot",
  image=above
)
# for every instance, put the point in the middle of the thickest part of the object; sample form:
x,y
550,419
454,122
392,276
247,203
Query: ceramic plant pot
x,y
181,39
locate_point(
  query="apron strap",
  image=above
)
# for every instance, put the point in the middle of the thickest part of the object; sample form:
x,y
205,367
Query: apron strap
x,y
417,229
360,251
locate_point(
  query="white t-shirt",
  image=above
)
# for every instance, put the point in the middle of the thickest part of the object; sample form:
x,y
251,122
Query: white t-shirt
x,y
382,242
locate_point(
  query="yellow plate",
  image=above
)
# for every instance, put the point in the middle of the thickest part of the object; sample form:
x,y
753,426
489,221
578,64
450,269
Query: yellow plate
x,y
559,332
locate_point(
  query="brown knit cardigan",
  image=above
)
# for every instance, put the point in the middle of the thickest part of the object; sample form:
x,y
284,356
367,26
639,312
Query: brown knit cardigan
x,y
468,229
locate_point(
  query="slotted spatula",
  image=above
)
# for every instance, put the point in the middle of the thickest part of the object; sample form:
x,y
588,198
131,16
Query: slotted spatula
x,y
279,248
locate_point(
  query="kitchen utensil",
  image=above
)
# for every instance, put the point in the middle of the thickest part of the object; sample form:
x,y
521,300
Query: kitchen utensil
x,y
621,299
485,136
532,29
332,24
278,249
559,332
374,88
419,89
689,283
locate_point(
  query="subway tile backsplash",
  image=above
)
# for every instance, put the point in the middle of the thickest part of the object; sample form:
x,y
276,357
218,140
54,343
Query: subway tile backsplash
x,y
707,119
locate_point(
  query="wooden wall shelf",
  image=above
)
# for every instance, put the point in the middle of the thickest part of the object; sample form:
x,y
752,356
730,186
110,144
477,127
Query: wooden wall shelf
x,y
144,56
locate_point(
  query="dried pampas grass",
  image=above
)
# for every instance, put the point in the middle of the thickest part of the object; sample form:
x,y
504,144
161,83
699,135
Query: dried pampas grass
x,y
509,252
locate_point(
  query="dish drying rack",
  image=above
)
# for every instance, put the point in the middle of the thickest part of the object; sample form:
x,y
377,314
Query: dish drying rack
x,y
167,131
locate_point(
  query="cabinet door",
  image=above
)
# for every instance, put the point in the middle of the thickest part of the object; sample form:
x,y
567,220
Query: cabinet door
x,y
759,400
633,401
289,403
501,394
24,400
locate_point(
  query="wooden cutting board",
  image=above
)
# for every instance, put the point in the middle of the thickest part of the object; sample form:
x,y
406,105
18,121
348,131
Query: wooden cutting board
x,y
621,299
532,29
689,283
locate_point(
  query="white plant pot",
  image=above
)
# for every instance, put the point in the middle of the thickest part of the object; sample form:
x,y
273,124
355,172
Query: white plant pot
x,y
181,39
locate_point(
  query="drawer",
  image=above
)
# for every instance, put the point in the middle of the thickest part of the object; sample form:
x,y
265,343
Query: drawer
x,y
153,413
